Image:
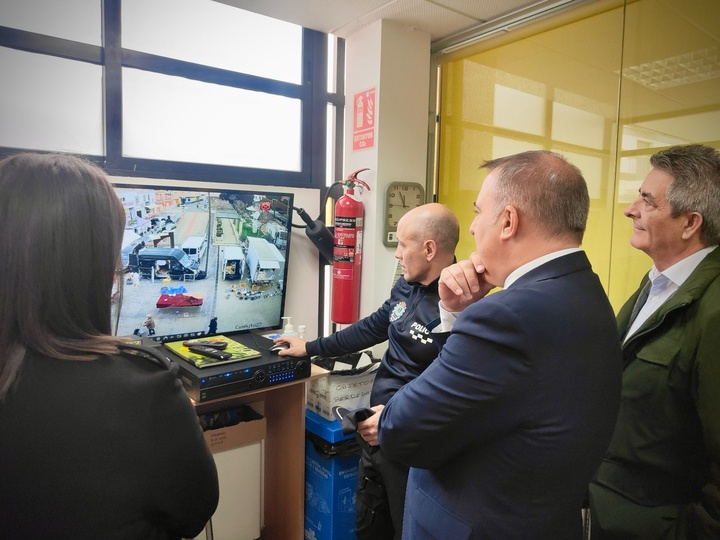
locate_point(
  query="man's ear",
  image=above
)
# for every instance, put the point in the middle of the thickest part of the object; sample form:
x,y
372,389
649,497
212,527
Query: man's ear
x,y
692,224
430,248
509,221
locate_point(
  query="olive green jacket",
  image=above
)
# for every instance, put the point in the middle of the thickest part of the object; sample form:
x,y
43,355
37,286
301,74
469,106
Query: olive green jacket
x,y
661,474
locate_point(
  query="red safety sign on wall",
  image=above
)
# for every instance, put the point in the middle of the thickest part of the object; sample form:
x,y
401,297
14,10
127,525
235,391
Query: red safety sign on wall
x,y
364,119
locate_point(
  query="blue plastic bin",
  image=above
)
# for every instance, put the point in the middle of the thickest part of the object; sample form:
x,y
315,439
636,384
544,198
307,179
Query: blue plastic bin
x,y
331,479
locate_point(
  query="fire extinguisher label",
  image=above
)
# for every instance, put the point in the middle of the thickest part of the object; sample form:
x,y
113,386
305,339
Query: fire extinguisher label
x,y
345,231
347,246
343,273
345,222
344,237
344,254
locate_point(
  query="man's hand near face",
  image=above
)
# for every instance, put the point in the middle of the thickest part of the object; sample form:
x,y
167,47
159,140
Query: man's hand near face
x,y
463,283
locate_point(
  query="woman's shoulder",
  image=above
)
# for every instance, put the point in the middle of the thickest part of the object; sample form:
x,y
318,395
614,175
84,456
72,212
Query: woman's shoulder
x,y
153,356
119,384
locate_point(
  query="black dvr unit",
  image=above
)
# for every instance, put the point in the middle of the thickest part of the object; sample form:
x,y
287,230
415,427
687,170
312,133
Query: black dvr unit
x,y
215,382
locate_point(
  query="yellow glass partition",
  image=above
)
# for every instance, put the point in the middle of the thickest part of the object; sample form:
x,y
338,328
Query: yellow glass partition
x,y
670,95
560,88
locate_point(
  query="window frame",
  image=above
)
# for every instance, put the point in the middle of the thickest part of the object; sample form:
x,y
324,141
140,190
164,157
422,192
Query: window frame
x,y
312,93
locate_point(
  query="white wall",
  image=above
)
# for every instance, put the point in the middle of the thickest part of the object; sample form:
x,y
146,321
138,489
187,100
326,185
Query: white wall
x,y
396,61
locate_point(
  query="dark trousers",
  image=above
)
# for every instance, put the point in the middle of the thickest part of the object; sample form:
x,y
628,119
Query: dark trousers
x,y
380,501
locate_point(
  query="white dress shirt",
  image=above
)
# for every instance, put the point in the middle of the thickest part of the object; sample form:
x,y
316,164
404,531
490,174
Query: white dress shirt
x,y
448,318
664,284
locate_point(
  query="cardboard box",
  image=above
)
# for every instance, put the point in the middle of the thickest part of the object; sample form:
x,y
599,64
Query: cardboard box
x,y
251,429
331,480
238,453
239,512
339,390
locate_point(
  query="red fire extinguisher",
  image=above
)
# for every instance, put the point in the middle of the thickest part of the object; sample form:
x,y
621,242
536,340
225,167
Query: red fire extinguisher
x,y
347,253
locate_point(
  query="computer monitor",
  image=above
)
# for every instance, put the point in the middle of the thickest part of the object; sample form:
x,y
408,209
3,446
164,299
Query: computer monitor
x,y
194,255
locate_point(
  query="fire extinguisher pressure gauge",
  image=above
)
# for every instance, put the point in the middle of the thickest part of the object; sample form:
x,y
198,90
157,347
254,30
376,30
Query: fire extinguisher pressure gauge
x,y
400,198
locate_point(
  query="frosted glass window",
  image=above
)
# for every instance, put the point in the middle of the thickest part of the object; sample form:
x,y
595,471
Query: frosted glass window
x,y
685,129
627,191
628,165
49,103
633,170
575,126
214,34
639,137
177,119
519,111
331,119
77,20
502,146
468,172
331,63
591,168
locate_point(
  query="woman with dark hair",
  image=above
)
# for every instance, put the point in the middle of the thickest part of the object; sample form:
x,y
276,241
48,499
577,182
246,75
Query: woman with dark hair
x,y
97,439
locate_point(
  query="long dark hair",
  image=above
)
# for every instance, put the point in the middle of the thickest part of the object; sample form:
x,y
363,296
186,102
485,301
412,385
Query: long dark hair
x,y
61,228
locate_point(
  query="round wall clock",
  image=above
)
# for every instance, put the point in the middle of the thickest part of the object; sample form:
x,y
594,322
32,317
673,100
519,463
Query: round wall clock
x,y
400,198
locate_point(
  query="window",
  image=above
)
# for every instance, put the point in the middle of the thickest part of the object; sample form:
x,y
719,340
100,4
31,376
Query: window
x,y
185,89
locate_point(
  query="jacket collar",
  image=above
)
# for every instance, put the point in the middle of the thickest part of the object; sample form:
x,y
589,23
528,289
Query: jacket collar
x,y
566,264
432,286
706,272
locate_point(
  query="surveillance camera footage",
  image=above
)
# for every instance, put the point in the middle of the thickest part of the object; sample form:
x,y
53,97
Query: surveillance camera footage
x,y
201,263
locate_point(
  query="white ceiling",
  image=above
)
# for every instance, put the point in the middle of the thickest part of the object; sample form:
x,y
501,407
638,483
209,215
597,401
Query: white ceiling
x,y
671,34
440,18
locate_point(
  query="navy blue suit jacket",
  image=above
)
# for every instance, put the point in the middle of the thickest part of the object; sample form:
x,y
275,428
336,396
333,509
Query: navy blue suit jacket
x,y
506,427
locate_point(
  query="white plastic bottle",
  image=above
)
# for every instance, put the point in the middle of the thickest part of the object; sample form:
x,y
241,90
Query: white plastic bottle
x,y
301,331
289,329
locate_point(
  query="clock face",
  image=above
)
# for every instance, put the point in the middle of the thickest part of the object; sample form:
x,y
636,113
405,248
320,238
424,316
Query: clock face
x,y
401,197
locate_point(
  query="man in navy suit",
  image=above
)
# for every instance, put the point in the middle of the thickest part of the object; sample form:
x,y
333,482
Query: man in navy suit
x,y
507,426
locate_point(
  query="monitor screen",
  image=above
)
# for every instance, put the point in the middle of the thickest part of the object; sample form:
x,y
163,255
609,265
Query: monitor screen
x,y
203,261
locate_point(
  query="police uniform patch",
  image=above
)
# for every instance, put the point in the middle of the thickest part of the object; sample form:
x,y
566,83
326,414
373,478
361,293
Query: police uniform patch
x,y
419,333
398,310
422,338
